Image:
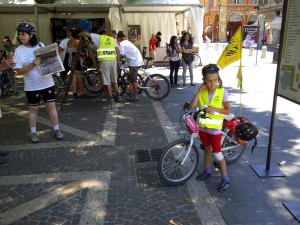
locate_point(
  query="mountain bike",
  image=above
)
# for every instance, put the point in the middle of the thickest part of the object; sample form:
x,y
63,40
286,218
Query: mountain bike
x,y
156,86
7,83
179,160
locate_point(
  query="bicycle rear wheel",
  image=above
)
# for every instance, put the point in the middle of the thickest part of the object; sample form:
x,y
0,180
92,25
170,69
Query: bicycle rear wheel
x,y
92,84
196,61
170,167
167,62
233,154
158,87
57,85
122,82
10,83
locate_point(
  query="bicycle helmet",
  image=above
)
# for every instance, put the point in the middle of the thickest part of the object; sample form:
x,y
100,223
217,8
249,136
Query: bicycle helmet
x,y
26,27
246,131
101,30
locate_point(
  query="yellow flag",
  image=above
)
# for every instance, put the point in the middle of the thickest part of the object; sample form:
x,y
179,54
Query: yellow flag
x,y
233,50
240,77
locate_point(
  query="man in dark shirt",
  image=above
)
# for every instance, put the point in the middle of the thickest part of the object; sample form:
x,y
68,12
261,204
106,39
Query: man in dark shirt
x,y
158,39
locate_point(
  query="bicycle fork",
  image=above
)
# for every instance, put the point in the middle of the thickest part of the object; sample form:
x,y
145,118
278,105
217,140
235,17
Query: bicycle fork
x,y
193,135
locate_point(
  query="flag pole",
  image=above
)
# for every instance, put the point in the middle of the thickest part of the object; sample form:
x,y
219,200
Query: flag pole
x,y
241,78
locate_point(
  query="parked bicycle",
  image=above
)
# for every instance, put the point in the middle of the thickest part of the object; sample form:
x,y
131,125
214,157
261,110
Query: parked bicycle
x,y
7,83
196,61
91,81
156,86
179,160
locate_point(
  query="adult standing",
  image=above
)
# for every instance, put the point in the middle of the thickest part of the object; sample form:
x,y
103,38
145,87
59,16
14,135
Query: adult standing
x,y
186,44
77,81
152,49
9,47
158,39
134,60
35,84
265,38
173,51
108,56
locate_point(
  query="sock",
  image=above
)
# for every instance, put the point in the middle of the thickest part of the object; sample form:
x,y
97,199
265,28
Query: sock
x,y
225,178
208,170
55,127
33,129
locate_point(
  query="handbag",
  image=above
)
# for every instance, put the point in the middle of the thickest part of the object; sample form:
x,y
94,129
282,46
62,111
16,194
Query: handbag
x,y
188,58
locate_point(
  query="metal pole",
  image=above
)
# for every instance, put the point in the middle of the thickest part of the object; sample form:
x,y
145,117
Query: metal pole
x,y
37,22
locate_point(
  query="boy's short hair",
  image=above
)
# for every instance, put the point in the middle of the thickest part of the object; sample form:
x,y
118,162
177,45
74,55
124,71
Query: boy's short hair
x,y
121,34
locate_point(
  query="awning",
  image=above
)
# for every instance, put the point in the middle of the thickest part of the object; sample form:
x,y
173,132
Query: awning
x,y
276,23
207,29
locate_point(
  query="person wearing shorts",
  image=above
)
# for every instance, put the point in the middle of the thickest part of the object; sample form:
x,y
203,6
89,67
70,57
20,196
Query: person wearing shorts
x,y
108,57
35,84
134,60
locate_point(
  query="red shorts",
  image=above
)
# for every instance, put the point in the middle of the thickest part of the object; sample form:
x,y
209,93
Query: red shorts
x,y
210,139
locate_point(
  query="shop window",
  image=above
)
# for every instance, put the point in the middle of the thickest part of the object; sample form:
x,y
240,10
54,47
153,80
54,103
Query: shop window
x,y
237,1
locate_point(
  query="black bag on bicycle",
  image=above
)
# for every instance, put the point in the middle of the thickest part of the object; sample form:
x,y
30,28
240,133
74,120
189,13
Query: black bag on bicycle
x,y
188,58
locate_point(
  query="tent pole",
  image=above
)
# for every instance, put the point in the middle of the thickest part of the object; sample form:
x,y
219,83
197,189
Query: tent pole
x,y
37,21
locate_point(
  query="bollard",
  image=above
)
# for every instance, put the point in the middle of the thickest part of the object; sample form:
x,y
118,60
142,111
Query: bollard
x,y
217,46
224,46
251,49
263,51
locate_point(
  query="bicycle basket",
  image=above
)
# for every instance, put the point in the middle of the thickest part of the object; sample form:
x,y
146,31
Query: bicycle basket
x,y
189,124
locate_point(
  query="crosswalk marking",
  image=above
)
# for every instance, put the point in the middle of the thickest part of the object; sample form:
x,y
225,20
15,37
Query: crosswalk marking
x,y
106,137
94,210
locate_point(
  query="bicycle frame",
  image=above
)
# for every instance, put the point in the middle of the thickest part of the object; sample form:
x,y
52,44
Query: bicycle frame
x,y
145,73
224,133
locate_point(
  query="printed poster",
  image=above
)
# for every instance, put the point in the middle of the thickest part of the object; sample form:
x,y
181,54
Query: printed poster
x,y
134,35
250,36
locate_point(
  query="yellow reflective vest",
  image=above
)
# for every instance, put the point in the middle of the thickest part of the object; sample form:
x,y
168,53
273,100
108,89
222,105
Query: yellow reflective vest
x,y
214,121
106,50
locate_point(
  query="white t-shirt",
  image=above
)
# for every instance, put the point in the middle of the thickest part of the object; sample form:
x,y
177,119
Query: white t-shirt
x,y
131,53
63,45
33,80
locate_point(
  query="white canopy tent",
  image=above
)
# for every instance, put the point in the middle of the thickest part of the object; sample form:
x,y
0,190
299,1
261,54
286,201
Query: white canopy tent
x,y
151,15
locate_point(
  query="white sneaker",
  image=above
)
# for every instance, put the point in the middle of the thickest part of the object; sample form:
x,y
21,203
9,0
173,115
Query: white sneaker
x,y
58,134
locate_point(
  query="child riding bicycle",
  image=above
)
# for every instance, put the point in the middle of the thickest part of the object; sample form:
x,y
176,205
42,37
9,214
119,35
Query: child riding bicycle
x,y
215,97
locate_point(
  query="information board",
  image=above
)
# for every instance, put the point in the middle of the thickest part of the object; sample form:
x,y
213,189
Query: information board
x,y
289,68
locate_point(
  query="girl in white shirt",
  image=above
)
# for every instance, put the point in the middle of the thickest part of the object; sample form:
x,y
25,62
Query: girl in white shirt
x,y
35,84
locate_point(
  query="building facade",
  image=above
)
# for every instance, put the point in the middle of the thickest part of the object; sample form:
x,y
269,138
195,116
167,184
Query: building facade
x,y
270,15
222,17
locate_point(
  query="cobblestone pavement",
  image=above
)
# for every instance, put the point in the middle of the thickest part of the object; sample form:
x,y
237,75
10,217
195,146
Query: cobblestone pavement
x,y
93,176
104,170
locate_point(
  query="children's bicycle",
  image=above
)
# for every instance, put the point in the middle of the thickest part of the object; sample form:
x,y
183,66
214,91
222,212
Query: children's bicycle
x,y
156,86
179,160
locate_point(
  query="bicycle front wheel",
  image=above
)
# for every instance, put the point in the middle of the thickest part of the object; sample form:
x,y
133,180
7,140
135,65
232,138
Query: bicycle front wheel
x,y
57,85
171,168
231,151
196,61
92,84
157,87
167,62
